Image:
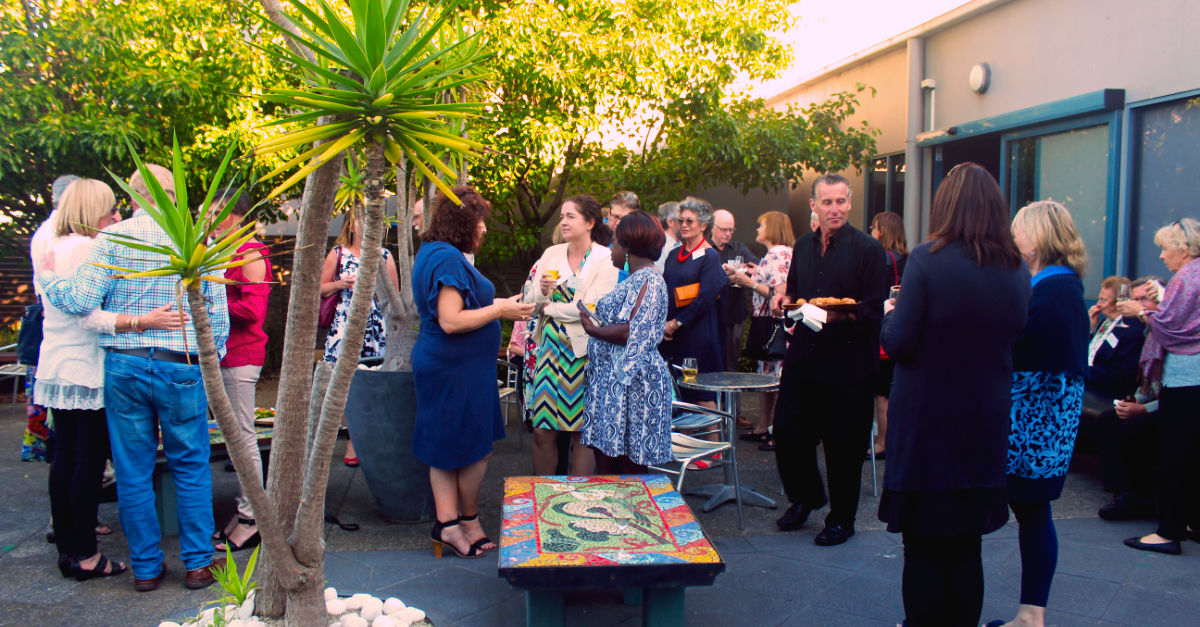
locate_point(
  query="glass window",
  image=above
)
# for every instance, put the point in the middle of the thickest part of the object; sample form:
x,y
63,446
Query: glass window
x,y
885,186
1166,160
1071,168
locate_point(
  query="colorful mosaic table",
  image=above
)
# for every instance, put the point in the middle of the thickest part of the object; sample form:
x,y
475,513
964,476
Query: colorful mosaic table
x,y
625,532
166,503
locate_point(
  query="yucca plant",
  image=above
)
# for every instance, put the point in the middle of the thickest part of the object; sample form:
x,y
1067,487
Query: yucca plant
x,y
372,75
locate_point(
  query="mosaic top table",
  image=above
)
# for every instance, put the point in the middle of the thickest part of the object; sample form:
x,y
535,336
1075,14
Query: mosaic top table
x,y
570,533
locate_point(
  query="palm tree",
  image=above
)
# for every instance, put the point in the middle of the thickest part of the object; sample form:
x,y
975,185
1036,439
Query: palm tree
x,y
372,79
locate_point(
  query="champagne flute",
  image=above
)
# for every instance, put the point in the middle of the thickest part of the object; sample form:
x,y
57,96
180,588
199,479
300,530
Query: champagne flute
x,y
690,369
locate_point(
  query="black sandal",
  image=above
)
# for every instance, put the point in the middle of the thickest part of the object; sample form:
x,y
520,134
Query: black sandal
x,y
761,438
482,541
99,571
250,542
473,553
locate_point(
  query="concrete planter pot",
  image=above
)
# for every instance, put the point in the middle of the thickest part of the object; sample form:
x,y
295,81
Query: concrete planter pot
x,y
381,409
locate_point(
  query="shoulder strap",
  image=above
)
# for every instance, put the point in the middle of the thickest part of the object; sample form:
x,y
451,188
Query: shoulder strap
x,y
895,268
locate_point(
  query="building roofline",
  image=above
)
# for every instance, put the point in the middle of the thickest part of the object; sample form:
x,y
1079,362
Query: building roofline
x,y
946,20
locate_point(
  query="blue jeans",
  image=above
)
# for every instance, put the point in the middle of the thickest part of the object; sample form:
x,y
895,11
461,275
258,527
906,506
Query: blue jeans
x,y
142,395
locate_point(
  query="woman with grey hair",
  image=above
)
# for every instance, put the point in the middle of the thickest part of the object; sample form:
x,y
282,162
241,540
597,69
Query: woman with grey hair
x,y
1171,355
695,282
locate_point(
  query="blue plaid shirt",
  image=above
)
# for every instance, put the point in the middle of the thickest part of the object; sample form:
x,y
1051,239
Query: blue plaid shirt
x,y
93,287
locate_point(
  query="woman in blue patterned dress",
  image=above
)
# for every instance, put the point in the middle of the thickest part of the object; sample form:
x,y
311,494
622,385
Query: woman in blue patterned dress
x,y
1049,362
338,275
627,420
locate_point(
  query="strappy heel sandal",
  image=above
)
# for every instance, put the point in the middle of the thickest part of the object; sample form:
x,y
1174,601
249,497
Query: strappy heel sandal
x,y
478,544
250,542
101,570
438,543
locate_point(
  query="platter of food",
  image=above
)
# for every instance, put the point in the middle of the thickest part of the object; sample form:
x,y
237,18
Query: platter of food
x,y
828,303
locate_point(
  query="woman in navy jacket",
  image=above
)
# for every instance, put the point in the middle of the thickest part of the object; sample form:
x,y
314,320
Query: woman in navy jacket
x,y
962,305
1049,365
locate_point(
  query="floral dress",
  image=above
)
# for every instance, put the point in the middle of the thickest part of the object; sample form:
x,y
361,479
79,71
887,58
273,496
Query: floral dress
x,y
375,337
629,387
772,270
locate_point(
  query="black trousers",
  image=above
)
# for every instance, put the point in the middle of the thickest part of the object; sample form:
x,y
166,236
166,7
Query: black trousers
x,y
1179,468
1128,453
836,415
80,448
943,581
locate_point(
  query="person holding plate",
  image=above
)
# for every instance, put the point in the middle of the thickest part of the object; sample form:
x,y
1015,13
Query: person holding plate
x,y
827,388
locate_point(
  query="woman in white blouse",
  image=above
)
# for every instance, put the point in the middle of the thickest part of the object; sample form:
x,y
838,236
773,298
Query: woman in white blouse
x,y
70,382
579,270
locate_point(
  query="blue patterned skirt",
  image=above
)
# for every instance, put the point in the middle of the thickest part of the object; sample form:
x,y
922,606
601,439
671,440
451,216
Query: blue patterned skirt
x,y
1045,420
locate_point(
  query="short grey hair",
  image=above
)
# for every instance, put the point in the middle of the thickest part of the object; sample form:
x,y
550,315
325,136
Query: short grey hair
x,y
668,211
1182,235
832,179
59,186
698,206
625,199
1142,280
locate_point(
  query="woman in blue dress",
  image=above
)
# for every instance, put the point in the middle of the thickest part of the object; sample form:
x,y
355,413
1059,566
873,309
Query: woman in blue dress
x,y
627,418
695,282
454,368
1049,362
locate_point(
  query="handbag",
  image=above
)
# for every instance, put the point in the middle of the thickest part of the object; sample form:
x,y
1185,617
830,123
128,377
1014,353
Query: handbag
x,y
329,303
767,340
685,294
29,339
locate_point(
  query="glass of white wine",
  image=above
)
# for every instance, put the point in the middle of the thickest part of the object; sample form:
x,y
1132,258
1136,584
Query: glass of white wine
x,y
1124,293
690,369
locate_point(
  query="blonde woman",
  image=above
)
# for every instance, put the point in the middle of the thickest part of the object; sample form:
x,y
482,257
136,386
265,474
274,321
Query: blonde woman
x,y
70,382
580,270
774,232
1049,364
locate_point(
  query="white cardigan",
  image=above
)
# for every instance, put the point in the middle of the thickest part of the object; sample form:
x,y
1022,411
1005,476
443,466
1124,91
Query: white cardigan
x,y
598,278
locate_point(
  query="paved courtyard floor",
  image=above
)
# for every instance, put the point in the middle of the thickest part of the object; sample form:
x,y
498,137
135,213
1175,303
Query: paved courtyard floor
x,y
772,578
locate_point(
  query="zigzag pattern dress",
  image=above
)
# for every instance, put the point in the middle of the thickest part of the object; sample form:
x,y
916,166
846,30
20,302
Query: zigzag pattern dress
x,y
558,377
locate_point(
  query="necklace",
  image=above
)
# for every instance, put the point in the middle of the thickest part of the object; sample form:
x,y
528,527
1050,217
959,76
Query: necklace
x,y
684,253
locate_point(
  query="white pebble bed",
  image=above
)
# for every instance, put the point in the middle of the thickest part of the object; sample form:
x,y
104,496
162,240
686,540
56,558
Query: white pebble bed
x,y
360,610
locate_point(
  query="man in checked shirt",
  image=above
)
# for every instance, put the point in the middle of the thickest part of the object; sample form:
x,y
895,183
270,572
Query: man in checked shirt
x,y
150,385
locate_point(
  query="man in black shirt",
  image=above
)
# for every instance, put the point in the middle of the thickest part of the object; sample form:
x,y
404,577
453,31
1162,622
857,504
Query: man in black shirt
x,y
826,394
735,297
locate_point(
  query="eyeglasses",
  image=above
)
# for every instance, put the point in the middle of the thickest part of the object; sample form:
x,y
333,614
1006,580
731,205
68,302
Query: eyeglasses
x,y
689,221
723,230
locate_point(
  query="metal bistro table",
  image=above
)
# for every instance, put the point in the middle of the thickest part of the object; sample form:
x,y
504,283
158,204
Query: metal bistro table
x,y
730,385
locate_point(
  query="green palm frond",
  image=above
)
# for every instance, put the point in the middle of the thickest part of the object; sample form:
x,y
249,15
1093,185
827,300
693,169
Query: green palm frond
x,y
380,75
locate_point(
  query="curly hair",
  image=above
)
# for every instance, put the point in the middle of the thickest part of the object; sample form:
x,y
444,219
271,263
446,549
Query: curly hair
x,y
457,224
698,206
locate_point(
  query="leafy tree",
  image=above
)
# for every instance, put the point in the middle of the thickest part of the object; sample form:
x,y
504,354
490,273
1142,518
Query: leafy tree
x,y
78,78
599,95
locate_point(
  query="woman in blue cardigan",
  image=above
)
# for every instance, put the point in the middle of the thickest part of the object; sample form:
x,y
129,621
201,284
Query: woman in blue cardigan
x,y
1049,364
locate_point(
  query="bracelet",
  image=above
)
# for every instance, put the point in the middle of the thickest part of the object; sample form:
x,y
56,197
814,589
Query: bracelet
x,y
133,325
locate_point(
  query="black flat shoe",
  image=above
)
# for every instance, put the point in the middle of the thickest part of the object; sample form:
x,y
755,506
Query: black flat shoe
x,y
833,535
768,446
880,456
763,437
104,568
795,516
1169,548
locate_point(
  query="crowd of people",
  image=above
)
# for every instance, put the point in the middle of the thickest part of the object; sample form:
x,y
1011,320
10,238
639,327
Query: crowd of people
x,y
974,354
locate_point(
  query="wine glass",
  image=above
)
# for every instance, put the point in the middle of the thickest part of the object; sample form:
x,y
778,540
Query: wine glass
x,y
1124,293
690,369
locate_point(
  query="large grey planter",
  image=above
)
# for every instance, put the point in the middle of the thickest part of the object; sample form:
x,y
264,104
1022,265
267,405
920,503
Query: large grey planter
x,y
380,412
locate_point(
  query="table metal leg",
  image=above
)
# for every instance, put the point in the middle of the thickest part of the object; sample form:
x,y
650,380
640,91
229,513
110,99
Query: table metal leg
x,y
545,608
166,505
728,490
663,607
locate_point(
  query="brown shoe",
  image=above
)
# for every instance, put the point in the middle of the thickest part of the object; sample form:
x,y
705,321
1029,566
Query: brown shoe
x,y
146,585
202,577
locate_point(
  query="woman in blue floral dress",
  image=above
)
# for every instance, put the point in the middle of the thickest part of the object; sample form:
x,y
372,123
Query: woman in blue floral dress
x,y
627,418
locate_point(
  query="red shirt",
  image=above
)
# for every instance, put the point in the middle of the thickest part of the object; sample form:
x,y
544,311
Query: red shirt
x,y
247,343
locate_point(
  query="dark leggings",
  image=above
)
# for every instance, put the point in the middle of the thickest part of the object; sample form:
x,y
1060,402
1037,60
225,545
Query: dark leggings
x,y
943,581
80,447
1039,551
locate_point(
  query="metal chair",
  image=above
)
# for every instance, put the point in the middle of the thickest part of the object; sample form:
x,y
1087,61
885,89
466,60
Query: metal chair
x,y
509,386
686,449
14,371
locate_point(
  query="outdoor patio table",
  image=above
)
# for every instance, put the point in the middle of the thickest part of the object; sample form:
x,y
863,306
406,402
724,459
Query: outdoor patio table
x,y
730,385
564,533
166,502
